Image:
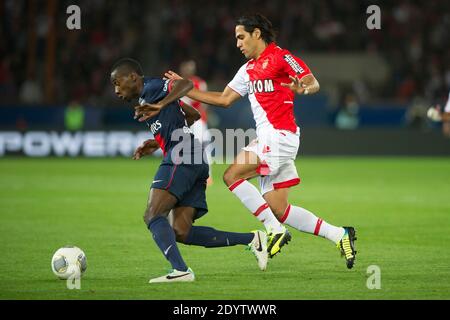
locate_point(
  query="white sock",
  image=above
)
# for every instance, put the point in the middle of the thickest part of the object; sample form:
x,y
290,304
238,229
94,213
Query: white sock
x,y
304,220
253,200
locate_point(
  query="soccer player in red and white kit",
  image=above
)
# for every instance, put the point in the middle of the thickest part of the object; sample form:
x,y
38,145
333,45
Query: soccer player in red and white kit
x,y
188,70
271,78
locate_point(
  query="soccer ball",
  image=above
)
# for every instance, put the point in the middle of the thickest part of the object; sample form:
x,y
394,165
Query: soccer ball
x,y
69,261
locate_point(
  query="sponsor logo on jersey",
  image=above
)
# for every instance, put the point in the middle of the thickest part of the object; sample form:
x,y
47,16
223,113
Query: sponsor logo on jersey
x,y
294,64
166,85
257,86
186,129
155,126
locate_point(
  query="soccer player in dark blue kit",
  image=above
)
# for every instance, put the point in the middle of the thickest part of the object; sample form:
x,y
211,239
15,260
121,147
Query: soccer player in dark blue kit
x,y
179,184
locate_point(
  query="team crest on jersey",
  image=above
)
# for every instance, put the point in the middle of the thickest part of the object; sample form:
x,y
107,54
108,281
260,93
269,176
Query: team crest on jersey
x,y
265,63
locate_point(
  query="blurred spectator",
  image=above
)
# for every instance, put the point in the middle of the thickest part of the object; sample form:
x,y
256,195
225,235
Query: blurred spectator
x,y
413,40
30,91
347,116
74,116
416,115
7,85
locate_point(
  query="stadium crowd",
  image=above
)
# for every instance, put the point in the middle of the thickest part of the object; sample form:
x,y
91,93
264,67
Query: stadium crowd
x,y
413,40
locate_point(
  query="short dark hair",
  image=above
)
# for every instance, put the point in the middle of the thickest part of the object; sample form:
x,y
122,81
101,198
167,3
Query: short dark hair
x,y
128,65
252,21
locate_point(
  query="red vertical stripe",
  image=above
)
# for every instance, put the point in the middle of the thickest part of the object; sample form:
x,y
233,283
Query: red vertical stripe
x,y
169,87
285,215
318,224
261,209
171,178
161,142
234,185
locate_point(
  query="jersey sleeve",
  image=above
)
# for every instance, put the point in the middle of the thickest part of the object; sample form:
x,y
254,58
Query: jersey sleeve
x,y
294,66
157,89
238,83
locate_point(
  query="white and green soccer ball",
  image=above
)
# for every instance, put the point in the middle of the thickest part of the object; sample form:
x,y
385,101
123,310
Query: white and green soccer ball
x,y
69,261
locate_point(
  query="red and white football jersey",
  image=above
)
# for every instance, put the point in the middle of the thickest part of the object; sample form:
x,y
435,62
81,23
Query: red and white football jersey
x,y
272,104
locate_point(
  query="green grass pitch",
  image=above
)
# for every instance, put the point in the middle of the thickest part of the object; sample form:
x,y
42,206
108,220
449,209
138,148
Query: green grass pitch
x,y
400,208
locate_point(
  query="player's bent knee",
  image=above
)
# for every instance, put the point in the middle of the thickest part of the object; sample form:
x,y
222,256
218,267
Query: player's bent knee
x,y
149,214
181,234
149,217
146,219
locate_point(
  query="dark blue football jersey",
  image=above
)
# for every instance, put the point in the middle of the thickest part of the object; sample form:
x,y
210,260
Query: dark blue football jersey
x,y
169,127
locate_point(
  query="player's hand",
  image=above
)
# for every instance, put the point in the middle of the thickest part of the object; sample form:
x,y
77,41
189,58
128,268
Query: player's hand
x,y
146,111
144,149
139,152
434,113
296,85
172,75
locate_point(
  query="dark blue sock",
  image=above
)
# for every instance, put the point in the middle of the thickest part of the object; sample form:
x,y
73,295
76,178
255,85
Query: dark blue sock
x,y
164,237
211,238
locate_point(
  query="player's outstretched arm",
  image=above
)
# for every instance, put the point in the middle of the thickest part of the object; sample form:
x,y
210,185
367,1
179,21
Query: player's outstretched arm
x,y
147,147
179,89
306,85
222,99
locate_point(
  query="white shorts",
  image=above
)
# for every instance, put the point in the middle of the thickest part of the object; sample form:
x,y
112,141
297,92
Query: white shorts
x,y
277,150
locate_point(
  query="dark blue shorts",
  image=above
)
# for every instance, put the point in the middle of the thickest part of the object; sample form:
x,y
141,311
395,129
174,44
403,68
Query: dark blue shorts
x,y
187,182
